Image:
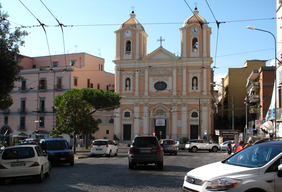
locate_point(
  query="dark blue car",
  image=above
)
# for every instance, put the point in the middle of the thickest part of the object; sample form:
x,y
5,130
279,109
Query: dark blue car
x,y
58,150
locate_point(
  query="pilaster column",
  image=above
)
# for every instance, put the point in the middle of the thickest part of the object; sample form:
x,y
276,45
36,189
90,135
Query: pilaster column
x,y
184,44
174,119
136,119
117,123
146,118
136,81
118,46
117,79
146,80
205,42
184,113
205,79
137,45
174,79
184,80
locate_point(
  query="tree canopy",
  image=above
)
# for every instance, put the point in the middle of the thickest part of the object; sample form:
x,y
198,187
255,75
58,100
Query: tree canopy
x,y
76,106
9,59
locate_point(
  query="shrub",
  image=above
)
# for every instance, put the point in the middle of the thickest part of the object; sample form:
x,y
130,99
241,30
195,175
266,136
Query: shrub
x,y
184,139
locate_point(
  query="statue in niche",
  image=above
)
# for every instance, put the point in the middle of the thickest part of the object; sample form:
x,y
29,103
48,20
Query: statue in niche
x,y
194,83
127,84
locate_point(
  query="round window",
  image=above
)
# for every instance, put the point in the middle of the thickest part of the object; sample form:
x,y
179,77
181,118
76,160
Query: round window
x,y
160,86
126,114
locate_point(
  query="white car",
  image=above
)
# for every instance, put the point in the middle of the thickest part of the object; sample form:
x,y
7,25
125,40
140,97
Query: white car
x,y
255,168
23,161
223,145
104,147
201,144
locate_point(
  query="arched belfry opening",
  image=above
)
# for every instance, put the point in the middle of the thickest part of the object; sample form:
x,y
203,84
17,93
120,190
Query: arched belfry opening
x,y
195,44
128,47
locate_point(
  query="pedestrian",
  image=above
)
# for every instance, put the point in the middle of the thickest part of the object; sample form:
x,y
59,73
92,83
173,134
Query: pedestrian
x,y
248,144
235,146
211,141
240,146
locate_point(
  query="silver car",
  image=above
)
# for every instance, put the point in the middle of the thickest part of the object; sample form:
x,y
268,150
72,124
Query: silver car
x,y
201,144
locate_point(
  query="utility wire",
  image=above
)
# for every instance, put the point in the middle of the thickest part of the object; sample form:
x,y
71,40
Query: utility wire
x,y
42,25
61,25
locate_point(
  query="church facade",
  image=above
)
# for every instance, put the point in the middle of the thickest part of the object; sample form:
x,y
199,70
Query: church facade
x,y
163,94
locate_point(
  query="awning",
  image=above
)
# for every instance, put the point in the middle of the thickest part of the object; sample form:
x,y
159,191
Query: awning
x,y
268,127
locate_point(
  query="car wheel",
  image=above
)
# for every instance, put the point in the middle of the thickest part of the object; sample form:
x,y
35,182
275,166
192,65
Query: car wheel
x,y
160,165
72,163
39,177
50,165
2,181
130,165
47,174
175,153
214,149
116,153
110,153
194,149
170,153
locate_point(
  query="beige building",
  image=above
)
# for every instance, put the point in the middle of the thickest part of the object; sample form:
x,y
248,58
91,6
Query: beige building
x,y
164,94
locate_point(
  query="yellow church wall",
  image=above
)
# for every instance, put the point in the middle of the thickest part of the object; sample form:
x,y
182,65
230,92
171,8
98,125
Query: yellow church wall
x,y
179,84
141,84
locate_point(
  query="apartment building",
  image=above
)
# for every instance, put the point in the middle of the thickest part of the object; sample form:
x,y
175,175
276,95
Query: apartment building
x,y
44,78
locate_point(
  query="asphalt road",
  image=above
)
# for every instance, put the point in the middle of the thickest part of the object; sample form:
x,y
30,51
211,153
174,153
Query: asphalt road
x,y
112,174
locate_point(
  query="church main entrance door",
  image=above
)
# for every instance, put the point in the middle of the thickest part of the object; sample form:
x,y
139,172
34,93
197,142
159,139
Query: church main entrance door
x,y
160,132
193,131
126,132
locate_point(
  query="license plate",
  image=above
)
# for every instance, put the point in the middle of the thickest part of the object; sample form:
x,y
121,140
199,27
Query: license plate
x,y
145,151
17,164
98,149
62,159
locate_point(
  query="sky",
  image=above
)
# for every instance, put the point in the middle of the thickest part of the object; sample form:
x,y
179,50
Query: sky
x,y
90,26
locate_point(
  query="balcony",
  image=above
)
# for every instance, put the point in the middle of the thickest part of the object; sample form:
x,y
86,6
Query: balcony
x,y
42,87
253,76
42,68
254,109
21,110
252,87
58,87
6,111
40,110
21,127
253,98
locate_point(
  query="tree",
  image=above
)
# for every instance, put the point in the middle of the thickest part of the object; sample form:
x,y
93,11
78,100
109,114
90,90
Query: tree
x,y
75,108
9,59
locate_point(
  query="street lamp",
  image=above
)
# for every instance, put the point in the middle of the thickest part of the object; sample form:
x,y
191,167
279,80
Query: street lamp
x,y
275,82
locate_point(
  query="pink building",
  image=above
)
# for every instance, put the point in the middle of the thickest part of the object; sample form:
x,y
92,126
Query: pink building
x,y
45,78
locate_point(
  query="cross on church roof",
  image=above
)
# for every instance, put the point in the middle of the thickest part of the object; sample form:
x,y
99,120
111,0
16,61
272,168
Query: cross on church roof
x,y
161,40
195,4
132,8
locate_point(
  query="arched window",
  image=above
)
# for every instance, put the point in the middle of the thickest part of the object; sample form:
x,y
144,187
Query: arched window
x,y
194,83
127,84
111,121
128,47
194,115
195,44
99,121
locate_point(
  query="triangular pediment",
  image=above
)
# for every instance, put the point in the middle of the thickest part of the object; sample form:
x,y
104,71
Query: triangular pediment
x,y
160,54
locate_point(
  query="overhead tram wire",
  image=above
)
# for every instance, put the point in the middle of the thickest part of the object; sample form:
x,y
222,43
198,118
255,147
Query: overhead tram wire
x,y
42,25
61,25
217,23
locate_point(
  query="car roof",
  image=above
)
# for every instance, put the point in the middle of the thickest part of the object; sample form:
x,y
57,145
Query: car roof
x,y
53,139
102,139
17,146
270,142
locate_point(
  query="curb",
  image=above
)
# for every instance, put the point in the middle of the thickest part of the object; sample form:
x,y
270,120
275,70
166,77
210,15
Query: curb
x,y
80,157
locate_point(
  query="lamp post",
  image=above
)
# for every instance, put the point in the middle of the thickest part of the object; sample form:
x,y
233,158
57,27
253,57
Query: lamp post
x,y
275,82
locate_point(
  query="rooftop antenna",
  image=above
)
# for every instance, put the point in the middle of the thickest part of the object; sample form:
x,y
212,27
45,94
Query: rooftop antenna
x,y
99,52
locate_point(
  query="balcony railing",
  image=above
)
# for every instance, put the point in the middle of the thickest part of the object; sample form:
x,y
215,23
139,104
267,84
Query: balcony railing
x,y
58,87
253,98
21,127
21,110
41,110
253,85
6,111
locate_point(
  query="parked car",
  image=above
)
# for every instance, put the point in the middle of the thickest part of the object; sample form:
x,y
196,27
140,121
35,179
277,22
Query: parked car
x,y
255,168
32,141
58,150
104,147
23,161
145,150
180,145
223,146
201,144
169,146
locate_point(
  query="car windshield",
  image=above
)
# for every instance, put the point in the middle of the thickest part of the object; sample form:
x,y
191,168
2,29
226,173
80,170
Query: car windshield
x,y
254,156
100,143
18,153
168,142
56,145
145,141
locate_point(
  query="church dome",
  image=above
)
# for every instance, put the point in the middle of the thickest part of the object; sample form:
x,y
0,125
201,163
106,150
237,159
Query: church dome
x,y
195,18
132,22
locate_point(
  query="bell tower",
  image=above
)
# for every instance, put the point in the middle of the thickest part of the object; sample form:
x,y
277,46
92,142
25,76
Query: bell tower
x,y
195,37
131,40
